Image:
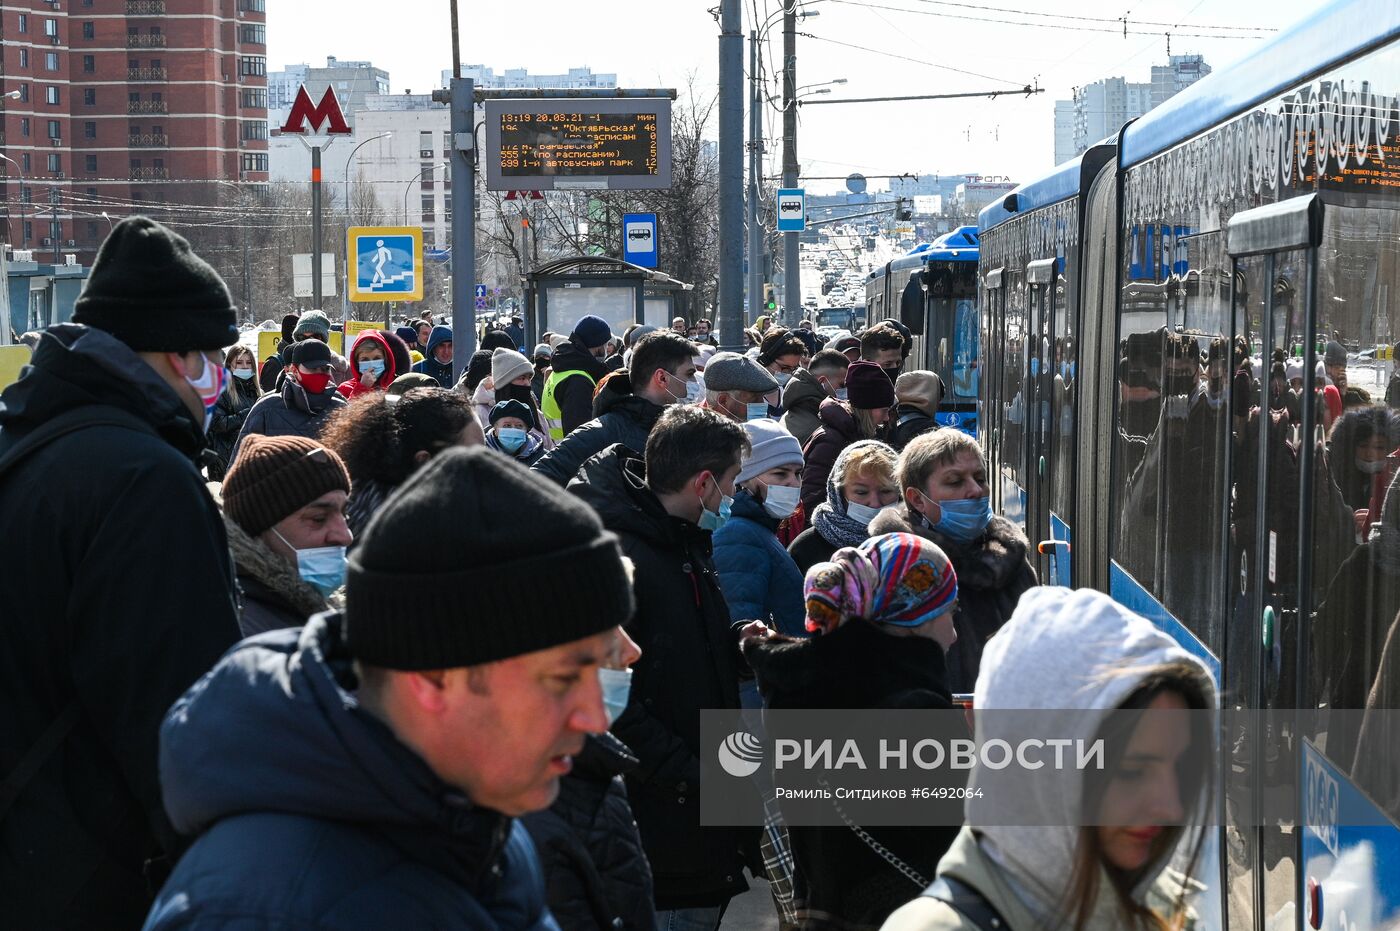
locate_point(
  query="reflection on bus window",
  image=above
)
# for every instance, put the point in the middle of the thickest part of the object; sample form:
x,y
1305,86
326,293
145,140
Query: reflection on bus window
x,y
965,350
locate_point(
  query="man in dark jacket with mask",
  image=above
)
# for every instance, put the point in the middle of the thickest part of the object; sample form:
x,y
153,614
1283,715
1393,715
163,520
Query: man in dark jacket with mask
x,y
663,508
662,374
367,770
119,590
307,397
577,366
437,362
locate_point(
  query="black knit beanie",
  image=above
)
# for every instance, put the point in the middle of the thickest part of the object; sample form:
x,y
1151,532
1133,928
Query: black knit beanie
x,y
149,290
465,522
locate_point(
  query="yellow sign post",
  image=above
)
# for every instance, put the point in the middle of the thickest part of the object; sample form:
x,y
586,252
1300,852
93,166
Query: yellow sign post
x,y
12,359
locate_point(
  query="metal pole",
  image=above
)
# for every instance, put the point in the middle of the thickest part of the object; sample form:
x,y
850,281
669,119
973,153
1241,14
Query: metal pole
x,y
315,227
792,277
729,306
755,180
463,168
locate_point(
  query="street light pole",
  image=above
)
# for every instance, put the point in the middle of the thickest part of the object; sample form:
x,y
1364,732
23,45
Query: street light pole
x,y
730,303
755,181
792,277
408,187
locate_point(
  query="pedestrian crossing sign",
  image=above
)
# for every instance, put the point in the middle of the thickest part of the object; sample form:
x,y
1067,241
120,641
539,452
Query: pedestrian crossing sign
x,y
387,262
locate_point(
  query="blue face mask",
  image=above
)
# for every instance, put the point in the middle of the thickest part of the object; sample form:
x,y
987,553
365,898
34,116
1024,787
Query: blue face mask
x,y
964,519
617,686
374,366
243,374
711,521
757,410
321,567
511,438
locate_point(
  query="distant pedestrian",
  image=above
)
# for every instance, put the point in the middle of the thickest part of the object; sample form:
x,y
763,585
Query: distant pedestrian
x,y
918,395
119,590
823,378
738,387
367,770
272,366
437,360
782,353
233,407
540,357
284,510
510,381
373,363
509,431
385,439
315,325
305,400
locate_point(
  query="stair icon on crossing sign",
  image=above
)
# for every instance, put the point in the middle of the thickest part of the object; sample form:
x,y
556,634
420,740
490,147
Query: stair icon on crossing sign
x,y
388,263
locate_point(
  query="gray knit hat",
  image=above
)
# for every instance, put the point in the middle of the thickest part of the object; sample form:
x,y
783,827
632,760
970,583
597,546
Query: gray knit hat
x,y
770,446
729,371
507,365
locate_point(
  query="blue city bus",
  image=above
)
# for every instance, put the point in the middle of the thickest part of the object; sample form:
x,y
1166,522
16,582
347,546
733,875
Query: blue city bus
x,y
933,291
1134,303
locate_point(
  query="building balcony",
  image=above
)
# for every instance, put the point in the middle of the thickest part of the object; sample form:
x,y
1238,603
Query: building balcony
x,y
147,106
145,7
145,74
148,140
155,41
150,174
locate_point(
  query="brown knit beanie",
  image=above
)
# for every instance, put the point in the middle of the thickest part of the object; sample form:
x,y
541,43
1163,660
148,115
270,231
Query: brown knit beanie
x,y
273,477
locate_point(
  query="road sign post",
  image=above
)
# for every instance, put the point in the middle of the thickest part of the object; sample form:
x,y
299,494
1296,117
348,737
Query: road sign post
x,y
639,239
387,263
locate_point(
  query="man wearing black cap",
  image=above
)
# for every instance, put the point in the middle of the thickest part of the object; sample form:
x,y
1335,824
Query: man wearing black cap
x,y
578,366
272,366
366,771
119,589
307,398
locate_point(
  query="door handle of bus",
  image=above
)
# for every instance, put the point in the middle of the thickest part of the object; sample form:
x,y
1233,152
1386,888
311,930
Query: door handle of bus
x,y
1269,621
1042,466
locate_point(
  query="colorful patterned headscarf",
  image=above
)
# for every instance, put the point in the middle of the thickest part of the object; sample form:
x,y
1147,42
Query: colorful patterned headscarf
x,y
895,578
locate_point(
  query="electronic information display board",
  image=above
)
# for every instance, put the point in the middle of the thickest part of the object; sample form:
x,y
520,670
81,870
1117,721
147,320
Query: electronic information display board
x,y
578,143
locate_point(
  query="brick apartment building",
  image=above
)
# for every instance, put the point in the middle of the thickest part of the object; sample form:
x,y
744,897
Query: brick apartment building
x,y
112,103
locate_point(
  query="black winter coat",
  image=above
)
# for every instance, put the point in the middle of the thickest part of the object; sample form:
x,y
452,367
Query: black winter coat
x,y
837,431
574,395
272,368
690,661
273,593
909,422
810,548
620,418
839,882
229,415
993,574
596,875
119,594
292,411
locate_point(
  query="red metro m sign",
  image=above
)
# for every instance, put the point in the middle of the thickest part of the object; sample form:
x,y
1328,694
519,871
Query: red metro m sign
x,y
327,111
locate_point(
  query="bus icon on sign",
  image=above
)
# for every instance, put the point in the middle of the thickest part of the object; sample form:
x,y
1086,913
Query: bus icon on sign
x,y
640,232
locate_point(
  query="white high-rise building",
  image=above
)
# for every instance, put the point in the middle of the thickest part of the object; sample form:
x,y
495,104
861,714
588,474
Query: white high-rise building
x,y
1099,110
1179,73
1064,131
520,78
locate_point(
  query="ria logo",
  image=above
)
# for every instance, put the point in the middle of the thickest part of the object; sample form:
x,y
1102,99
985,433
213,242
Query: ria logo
x,y
741,754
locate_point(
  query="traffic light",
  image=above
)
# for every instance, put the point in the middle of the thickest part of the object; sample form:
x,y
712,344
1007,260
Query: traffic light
x,y
768,302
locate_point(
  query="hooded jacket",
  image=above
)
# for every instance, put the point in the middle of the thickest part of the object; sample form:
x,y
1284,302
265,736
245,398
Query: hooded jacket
x,y
119,593
838,430
274,596
353,387
760,580
1023,870
229,414
309,812
690,661
909,421
839,882
801,399
574,394
430,365
527,455
292,411
620,417
993,574
595,872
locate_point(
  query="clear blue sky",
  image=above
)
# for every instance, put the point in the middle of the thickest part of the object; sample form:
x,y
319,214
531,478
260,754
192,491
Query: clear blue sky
x,y
674,43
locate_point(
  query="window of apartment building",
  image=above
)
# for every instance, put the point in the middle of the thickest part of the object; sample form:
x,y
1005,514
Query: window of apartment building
x,y
55,163
254,161
51,94
89,30
157,164
23,23
90,129
252,66
26,163
24,126
89,97
425,145
91,192
253,33
87,2
55,129
24,93
157,97
135,166
92,230
428,212
50,61
50,27
26,193
155,64
133,97
28,230
252,6
155,30
157,129
254,129
254,98
24,58
133,63
90,163
89,64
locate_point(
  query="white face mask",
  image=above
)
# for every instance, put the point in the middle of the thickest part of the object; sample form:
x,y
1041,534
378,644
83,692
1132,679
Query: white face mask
x,y
864,514
780,501
1375,467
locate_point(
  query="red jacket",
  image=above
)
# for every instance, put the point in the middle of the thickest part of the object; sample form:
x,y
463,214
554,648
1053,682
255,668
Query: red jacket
x,y
353,387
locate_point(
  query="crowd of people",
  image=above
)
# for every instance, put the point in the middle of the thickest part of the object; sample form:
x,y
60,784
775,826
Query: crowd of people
x,y
325,641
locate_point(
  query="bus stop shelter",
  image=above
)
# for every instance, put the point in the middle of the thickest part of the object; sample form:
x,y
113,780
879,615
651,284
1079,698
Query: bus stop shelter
x,y
560,293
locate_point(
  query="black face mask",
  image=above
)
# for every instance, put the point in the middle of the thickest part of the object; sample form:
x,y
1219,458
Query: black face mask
x,y
521,393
